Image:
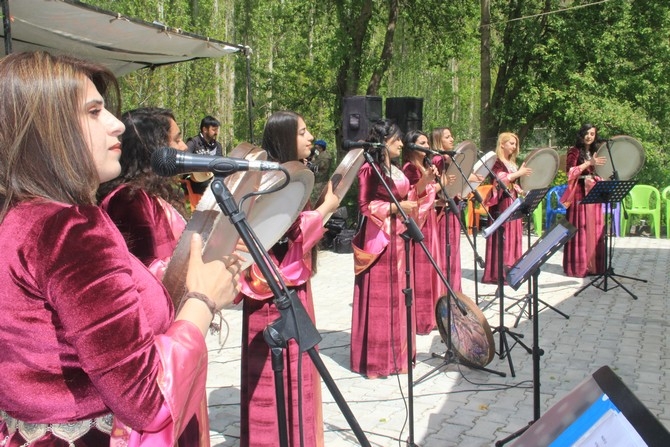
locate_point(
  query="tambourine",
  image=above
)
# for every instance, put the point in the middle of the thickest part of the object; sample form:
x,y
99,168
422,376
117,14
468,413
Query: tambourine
x,y
343,177
544,164
218,234
466,157
471,335
627,154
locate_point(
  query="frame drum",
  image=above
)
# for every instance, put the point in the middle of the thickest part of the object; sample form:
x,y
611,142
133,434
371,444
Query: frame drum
x,y
627,155
480,169
471,335
544,163
273,214
211,224
343,177
466,157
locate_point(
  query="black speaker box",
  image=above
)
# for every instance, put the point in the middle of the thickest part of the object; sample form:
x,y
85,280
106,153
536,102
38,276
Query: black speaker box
x,y
406,112
358,113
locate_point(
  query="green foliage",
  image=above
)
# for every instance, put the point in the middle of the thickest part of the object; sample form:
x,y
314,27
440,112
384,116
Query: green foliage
x,y
552,71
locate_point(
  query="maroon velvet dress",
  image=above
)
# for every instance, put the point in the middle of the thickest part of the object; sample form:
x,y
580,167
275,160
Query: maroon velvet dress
x,y
425,280
258,402
77,341
513,230
150,226
583,254
451,231
379,345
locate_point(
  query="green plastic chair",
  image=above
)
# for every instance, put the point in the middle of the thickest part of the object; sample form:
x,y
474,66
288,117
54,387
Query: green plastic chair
x,y
538,214
666,198
642,200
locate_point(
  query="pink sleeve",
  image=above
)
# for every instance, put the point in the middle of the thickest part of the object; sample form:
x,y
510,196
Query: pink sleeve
x,y
426,203
296,265
183,361
369,205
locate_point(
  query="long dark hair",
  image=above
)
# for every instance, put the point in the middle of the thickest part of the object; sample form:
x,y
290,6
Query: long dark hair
x,y
280,136
147,129
581,133
382,131
410,138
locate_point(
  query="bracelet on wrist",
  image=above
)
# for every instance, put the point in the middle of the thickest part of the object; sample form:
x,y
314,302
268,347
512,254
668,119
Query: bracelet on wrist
x,y
205,299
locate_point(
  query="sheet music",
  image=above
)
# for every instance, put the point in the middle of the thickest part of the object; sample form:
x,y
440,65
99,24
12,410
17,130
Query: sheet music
x,y
502,218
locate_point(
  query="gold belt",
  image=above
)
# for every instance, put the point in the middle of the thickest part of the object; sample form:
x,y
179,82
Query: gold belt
x,y
69,431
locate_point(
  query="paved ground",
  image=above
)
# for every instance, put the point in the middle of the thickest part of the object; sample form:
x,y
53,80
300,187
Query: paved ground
x,y
459,406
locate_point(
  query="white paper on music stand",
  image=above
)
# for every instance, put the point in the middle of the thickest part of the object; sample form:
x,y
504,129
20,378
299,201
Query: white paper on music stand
x,y
502,218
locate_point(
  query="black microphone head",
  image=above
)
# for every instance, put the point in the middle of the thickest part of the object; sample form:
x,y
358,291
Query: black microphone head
x,y
425,150
164,161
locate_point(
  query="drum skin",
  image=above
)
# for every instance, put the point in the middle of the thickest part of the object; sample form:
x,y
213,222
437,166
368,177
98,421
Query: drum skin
x,y
482,168
269,215
466,158
344,176
627,155
544,164
471,335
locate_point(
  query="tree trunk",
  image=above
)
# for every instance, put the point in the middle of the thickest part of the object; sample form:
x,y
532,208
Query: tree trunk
x,y
487,140
387,51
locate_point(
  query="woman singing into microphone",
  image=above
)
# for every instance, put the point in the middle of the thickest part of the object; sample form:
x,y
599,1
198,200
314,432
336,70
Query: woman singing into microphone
x,y
449,233
420,171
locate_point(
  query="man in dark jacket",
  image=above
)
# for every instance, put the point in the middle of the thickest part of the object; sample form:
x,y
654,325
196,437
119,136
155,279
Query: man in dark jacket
x,y
205,143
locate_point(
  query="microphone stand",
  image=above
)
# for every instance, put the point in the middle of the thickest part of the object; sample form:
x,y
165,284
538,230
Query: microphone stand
x,y
478,259
505,349
473,242
294,321
449,356
478,197
411,233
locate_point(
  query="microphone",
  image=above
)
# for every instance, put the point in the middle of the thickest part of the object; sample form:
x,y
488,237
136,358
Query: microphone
x,y
168,161
348,144
452,154
425,150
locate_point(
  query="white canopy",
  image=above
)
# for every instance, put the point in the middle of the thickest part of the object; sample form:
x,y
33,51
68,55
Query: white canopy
x,y
121,43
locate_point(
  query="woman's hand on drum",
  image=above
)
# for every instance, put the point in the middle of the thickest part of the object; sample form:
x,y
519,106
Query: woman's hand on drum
x,y
451,179
330,201
523,171
428,176
598,161
476,178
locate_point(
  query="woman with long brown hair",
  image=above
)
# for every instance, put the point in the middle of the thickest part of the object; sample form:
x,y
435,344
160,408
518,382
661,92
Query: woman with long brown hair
x,y
93,351
285,138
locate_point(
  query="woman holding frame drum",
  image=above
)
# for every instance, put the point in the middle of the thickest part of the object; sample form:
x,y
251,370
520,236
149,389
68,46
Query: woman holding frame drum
x,y
421,172
508,173
584,253
448,224
285,138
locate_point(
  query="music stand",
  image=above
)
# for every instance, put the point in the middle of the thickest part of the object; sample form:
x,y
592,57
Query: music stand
x,y
530,203
529,265
497,225
608,192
